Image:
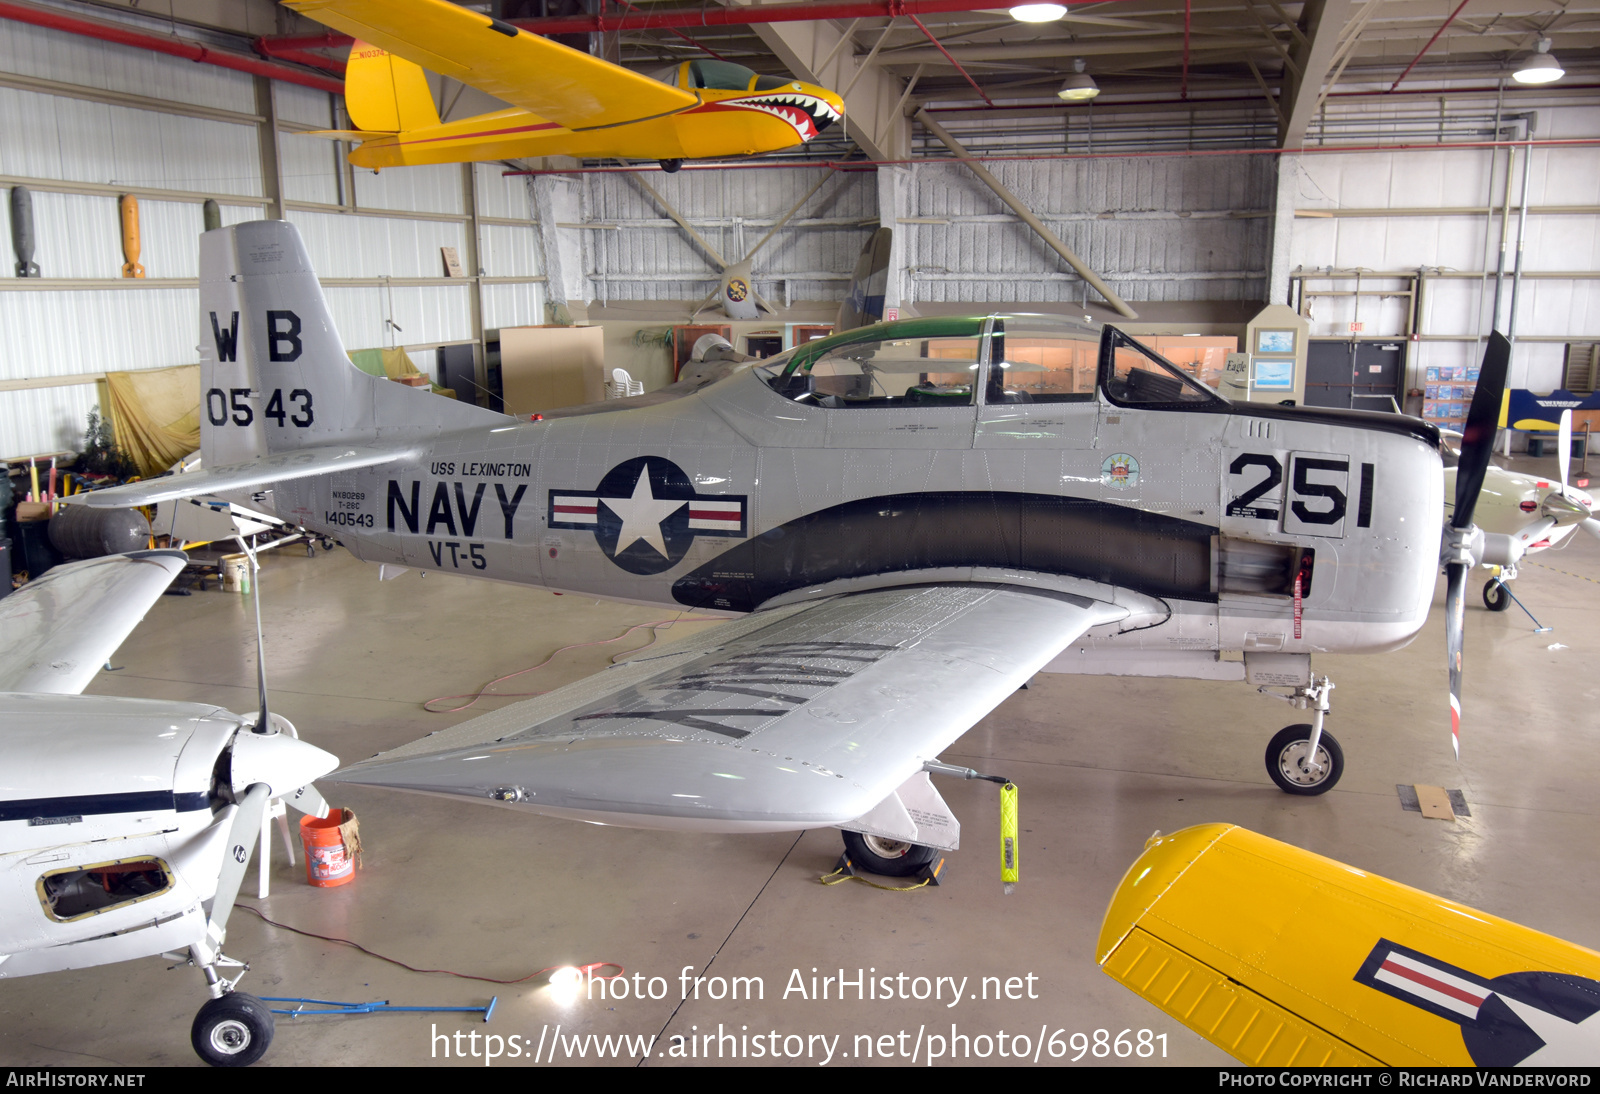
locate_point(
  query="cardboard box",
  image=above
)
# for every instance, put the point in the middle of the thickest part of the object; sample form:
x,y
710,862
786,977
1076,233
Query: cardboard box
x,y
33,510
546,368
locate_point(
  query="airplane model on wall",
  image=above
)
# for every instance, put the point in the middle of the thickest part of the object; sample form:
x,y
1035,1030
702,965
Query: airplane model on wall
x,y
1208,924
126,825
911,518
569,103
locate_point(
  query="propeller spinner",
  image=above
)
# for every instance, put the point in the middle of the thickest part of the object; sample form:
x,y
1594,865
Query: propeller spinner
x,y
1463,546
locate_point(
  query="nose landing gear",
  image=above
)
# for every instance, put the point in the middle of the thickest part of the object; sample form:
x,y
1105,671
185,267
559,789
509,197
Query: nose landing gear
x,y
1302,758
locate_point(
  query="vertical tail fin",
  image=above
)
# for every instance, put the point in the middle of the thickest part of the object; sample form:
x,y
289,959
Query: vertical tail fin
x,y
273,371
386,93
274,375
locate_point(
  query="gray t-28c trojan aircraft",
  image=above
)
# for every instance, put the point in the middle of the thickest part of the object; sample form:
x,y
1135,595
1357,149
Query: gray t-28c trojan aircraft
x,y
912,519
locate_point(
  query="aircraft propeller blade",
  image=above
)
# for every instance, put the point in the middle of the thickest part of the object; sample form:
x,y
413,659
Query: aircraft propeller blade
x,y
242,838
1454,601
1463,541
1477,442
1564,452
308,801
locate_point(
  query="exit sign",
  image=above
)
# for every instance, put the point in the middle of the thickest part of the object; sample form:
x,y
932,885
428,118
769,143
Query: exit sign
x,y
1355,328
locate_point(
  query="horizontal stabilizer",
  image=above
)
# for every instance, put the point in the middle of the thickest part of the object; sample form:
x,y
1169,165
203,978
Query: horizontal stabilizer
x,y
56,631
346,134
262,471
790,718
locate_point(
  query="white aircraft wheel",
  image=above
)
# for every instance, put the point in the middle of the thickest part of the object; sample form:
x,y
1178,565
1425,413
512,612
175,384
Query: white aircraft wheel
x,y
233,1031
1496,597
1286,761
889,857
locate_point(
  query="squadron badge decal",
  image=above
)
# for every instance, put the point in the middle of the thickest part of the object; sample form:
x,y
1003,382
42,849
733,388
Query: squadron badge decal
x,y
1120,471
646,514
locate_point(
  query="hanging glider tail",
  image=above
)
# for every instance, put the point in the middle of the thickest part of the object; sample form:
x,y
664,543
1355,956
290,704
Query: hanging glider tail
x,y
386,94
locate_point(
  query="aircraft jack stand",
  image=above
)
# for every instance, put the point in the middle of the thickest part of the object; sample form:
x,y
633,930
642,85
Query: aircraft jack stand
x,y
844,868
381,1006
1538,627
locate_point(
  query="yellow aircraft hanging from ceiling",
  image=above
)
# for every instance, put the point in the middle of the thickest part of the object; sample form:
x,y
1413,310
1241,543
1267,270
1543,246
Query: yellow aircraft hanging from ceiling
x,y
569,103
1283,958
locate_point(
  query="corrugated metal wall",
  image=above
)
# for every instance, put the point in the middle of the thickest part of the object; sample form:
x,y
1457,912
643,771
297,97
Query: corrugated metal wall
x,y
650,258
1470,180
1156,229
99,119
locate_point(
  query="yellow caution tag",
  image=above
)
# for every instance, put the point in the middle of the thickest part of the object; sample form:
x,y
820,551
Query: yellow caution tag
x,y
1008,835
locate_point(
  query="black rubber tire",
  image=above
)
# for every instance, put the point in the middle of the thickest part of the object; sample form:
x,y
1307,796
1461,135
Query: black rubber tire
x,y
1284,766
1496,597
671,166
890,858
234,1031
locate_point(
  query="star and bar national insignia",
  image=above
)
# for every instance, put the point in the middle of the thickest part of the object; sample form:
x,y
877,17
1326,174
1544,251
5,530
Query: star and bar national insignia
x,y
1537,1019
646,513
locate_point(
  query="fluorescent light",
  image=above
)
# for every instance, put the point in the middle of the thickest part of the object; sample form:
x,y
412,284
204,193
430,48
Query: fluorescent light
x,y
1037,13
1538,67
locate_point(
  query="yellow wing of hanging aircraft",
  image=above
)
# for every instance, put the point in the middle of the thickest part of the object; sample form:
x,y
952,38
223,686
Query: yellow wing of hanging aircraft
x,y
569,103
1284,958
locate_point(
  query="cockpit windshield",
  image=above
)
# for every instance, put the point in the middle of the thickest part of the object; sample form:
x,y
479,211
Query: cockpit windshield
x,y
717,76
1135,375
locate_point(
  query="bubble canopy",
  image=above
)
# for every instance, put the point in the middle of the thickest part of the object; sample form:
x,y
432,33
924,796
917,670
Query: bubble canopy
x,y
951,361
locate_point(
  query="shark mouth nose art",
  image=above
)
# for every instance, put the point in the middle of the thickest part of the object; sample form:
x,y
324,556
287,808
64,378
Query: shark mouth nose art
x,y
808,114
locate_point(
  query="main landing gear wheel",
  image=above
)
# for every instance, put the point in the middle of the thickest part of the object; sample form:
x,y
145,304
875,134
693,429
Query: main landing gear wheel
x,y
671,166
1496,597
233,1031
1286,761
887,857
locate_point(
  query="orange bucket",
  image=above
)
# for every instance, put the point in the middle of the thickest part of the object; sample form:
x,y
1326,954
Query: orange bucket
x,y
330,861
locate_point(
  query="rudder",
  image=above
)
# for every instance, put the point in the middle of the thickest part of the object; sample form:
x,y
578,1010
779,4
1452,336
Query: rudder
x,y
273,371
385,93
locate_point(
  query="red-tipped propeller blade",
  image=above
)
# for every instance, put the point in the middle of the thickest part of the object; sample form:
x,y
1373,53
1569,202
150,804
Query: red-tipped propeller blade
x,y
1476,446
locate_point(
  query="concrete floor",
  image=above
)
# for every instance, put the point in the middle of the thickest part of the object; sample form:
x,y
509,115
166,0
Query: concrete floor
x,y
1101,764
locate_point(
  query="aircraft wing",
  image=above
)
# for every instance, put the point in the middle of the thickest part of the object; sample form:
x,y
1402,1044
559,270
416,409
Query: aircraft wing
x,y
56,632
251,474
1284,958
526,70
791,718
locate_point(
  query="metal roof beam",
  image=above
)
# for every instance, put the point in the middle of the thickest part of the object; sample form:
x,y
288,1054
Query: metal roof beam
x,y
1324,21
811,52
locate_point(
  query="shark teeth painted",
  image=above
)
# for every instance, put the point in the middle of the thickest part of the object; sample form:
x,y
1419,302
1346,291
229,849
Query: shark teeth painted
x,y
808,114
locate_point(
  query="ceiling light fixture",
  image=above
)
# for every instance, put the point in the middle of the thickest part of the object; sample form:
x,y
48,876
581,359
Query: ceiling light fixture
x,y
1538,67
1037,13
1080,86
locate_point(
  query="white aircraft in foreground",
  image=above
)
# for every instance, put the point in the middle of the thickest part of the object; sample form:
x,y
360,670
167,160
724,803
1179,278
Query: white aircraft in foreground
x,y
910,519
126,825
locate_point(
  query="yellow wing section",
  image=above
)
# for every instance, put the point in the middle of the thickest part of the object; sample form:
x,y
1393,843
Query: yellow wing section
x,y
1284,958
571,88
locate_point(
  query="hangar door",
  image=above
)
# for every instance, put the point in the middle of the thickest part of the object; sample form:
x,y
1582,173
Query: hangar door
x,y
1359,374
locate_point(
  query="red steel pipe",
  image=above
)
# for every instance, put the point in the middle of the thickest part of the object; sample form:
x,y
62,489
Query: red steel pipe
x,y
873,165
704,16
929,35
174,47
1429,46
